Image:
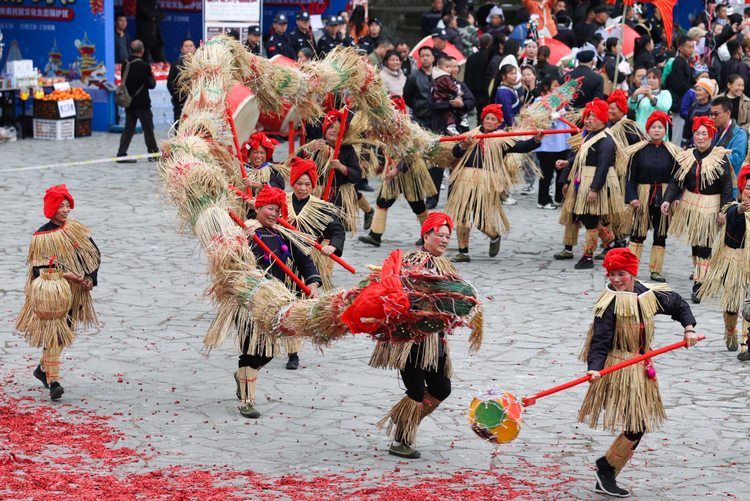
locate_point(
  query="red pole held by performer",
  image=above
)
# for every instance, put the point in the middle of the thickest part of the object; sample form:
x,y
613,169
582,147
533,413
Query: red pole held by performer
x,y
286,224
511,134
237,147
342,130
531,399
271,255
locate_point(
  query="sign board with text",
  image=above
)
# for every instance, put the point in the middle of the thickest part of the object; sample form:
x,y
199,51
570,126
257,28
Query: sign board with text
x,y
221,16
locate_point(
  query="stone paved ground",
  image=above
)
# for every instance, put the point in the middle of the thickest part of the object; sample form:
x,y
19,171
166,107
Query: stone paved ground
x,y
321,419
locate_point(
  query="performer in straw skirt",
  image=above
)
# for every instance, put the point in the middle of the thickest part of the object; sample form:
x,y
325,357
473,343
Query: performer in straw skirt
x,y
704,178
53,312
315,217
593,191
728,273
425,367
409,178
480,180
257,348
622,329
346,169
257,152
652,164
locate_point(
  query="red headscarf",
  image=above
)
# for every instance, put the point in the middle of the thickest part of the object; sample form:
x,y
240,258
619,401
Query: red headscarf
x,y
599,108
331,118
621,259
301,166
495,109
398,103
272,196
256,140
620,97
435,220
54,198
707,123
658,116
742,177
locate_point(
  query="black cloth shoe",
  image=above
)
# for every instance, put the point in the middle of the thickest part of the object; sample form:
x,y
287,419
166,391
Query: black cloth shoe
x,y
585,263
605,477
364,185
55,390
369,240
293,362
368,218
743,356
495,246
41,375
694,296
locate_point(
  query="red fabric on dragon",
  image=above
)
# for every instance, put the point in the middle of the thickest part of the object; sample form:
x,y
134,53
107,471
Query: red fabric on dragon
x,y
665,8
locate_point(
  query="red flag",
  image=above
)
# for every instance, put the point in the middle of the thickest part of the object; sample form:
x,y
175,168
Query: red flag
x,y
665,9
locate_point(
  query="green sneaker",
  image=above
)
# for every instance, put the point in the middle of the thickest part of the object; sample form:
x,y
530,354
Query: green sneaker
x,y
239,391
404,451
369,240
495,246
249,411
602,254
368,218
565,254
657,277
461,258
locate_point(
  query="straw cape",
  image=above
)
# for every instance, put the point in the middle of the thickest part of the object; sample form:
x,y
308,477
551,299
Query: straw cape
x,y
629,400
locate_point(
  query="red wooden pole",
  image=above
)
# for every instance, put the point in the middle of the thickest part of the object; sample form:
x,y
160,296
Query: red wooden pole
x,y
342,130
237,147
510,134
271,255
570,123
531,399
292,137
286,224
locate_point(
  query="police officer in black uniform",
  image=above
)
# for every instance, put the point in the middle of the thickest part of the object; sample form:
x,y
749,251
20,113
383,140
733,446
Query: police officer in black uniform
x,y
440,39
252,44
329,41
302,36
370,42
343,34
277,44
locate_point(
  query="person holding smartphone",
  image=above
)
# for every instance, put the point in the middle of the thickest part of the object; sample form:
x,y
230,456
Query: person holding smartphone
x,y
649,97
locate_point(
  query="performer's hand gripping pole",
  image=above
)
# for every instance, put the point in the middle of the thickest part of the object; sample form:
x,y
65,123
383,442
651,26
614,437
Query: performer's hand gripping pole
x,y
531,399
286,224
271,255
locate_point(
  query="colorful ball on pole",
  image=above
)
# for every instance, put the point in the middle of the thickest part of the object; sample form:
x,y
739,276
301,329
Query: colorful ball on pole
x,y
495,416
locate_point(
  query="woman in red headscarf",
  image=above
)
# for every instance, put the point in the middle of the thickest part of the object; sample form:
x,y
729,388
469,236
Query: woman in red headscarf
x,y
257,153
311,215
652,164
346,170
67,244
425,367
728,277
623,328
592,193
702,185
480,182
257,349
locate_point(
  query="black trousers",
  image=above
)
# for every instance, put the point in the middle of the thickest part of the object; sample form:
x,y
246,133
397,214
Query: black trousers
x,y
155,53
417,207
147,123
701,252
252,361
547,161
177,113
589,221
436,173
417,380
654,213
482,100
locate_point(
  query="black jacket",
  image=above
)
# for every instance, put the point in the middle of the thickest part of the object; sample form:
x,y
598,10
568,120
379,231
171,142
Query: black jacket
x,y
430,20
645,59
279,45
602,341
299,41
438,107
565,36
349,158
326,44
476,159
148,18
679,80
417,92
734,235
252,50
601,156
122,47
302,265
609,64
368,43
733,67
178,98
335,232
139,75
722,186
476,68
592,86
652,165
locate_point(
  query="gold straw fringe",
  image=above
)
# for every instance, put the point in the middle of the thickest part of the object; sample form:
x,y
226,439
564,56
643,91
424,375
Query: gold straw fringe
x,y
695,220
473,200
404,417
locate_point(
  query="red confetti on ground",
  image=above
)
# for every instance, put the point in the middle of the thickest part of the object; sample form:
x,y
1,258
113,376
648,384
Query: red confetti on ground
x,y
69,454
